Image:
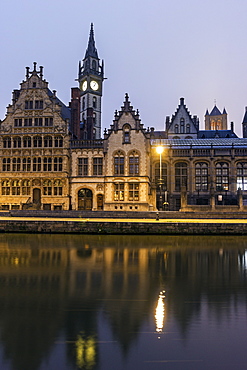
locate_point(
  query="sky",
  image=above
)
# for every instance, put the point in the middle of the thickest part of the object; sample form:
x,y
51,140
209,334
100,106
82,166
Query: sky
x,y
155,50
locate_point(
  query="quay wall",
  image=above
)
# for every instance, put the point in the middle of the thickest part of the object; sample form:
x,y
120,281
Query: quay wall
x,y
153,227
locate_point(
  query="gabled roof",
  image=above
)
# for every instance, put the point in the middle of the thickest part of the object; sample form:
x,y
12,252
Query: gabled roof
x,y
245,116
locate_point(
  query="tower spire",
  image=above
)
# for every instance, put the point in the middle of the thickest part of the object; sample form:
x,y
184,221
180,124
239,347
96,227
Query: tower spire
x,y
91,48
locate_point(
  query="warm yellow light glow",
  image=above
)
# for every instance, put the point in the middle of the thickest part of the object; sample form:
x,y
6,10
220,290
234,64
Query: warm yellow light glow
x,y
159,149
160,312
85,352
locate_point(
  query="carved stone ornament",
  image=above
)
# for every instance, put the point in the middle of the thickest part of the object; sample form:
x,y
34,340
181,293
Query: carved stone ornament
x,y
61,128
99,187
36,182
5,129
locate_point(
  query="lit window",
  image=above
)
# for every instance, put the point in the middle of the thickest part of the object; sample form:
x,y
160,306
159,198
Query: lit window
x,y
119,191
119,164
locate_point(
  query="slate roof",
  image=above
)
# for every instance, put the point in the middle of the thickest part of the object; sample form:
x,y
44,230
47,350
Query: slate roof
x,y
210,134
207,143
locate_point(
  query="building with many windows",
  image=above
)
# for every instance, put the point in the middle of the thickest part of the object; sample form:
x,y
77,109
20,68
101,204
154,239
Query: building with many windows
x,y
53,157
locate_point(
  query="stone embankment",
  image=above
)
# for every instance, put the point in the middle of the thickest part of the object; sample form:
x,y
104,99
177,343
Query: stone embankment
x,y
162,223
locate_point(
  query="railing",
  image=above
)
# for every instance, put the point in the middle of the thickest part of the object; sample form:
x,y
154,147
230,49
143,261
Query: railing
x,y
87,143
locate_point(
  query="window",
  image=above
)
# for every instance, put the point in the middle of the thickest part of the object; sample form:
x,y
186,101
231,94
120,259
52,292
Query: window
x,y
133,191
98,166
182,125
180,175
82,166
163,173
17,142
6,164
7,142
48,121
27,142
47,141
28,122
119,164
201,176
126,134
58,142
16,188
38,104
47,165
37,142
94,65
176,129
28,104
38,121
26,164
83,103
58,164
242,176
133,164
25,187
187,129
16,164
37,164
119,191
47,187
222,176
94,102
5,187
58,187
18,122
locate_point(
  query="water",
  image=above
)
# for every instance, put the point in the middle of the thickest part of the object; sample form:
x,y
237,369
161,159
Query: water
x,y
122,302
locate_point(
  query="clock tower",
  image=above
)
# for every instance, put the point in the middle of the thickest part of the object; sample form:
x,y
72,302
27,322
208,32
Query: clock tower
x,y
91,76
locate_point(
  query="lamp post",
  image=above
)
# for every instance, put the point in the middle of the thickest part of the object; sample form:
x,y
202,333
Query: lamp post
x,y
159,150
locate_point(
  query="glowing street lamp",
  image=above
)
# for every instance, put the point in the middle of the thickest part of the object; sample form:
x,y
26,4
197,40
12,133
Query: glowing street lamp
x,y
159,150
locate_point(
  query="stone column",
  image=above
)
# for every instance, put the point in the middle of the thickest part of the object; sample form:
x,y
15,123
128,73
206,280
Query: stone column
x,y
183,197
240,200
212,198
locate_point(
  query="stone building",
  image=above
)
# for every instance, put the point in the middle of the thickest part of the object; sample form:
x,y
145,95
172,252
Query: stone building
x,y
53,156
34,147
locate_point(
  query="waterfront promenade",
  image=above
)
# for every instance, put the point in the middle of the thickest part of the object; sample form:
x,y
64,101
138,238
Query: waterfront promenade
x,y
93,223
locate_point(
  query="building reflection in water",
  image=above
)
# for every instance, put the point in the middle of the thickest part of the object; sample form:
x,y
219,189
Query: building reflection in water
x,y
75,285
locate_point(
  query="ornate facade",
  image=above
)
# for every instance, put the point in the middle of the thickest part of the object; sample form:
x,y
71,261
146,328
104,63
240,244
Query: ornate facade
x,y
54,158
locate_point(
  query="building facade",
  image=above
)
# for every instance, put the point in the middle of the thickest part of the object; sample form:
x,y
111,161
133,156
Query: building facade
x,y
53,156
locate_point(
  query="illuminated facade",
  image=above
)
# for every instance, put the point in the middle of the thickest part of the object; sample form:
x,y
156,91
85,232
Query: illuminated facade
x,y
54,158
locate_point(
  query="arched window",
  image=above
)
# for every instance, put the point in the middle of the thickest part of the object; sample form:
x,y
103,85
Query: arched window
x,y
242,175
47,141
126,134
94,65
37,142
176,129
222,176
7,142
119,163
182,126
5,187
17,142
25,187
58,141
133,163
58,187
58,164
47,187
201,176
188,128
180,175
26,164
16,164
36,164
47,164
16,187
27,142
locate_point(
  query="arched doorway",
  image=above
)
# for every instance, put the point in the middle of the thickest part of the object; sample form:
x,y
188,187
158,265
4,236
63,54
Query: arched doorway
x,y
37,197
85,200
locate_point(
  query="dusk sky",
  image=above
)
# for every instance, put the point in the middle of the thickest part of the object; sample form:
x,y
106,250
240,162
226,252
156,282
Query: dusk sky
x,y
157,51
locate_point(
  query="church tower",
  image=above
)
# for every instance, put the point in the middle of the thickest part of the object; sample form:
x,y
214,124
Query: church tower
x,y
91,76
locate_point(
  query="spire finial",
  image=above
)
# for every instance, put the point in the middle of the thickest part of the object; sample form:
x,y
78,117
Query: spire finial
x,y
91,49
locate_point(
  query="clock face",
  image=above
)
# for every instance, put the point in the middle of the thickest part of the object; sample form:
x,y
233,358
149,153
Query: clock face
x,y
84,85
94,85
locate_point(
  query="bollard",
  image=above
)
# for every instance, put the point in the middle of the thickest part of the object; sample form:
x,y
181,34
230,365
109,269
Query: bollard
x,y
157,216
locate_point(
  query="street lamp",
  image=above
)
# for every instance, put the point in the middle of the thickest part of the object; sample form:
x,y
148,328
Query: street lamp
x,y
159,150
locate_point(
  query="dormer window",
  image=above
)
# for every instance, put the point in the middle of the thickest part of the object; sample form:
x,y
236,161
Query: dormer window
x,y
34,84
126,134
94,102
187,129
176,129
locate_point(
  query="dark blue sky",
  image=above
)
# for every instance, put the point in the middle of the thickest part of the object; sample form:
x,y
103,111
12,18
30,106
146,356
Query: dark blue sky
x,y
157,51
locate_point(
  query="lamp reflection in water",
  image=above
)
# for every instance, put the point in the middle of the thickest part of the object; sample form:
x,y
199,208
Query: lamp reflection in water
x,y
160,313
159,150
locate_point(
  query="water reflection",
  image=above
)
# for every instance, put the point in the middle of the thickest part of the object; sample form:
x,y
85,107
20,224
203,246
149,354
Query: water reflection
x,y
91,302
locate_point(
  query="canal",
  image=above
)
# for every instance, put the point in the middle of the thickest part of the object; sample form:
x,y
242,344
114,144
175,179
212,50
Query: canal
x,y
122,302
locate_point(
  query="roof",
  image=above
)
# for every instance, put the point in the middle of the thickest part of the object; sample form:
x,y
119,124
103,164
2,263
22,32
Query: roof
x,y
215,112
210,134
185,143
65,111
